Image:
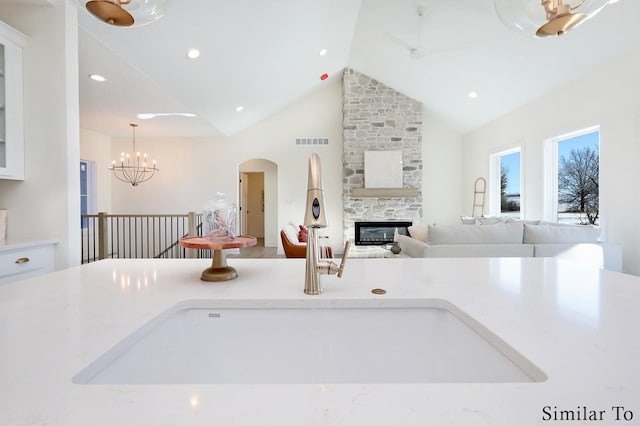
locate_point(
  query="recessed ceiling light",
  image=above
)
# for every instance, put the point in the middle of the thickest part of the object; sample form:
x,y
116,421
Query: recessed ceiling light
x,y
472,95
323,52
96,77
239,108
193,53
148,115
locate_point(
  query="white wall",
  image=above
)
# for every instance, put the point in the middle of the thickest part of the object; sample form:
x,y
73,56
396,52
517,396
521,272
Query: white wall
x,y
442,173
193,170
607,98
46,205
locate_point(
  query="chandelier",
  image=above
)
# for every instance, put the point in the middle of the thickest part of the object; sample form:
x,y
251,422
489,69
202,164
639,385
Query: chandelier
x,y
133,168
126,13
544,18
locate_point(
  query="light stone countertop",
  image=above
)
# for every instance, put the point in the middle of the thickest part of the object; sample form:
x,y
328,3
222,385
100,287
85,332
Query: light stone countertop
x,y
578,325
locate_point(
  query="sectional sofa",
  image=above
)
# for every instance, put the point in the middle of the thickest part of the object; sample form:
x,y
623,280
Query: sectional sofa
x,y
576,243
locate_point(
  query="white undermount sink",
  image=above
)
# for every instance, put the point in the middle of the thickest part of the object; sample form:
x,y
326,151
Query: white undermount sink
x,y
311,341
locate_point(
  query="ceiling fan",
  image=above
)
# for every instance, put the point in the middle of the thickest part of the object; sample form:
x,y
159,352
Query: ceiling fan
x,y
417,51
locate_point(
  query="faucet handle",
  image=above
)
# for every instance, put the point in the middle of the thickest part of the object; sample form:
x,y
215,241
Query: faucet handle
x,y
347,245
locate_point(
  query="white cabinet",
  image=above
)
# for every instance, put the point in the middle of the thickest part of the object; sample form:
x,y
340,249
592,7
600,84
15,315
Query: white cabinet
x,y
24,260
11,107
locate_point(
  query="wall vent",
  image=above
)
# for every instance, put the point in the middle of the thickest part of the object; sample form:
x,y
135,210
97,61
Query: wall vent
x,y
312,141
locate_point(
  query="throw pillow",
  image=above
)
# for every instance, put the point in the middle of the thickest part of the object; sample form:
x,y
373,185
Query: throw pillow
x,y
303,234
468,220
418,232
291,233
488,220
555,234
529,222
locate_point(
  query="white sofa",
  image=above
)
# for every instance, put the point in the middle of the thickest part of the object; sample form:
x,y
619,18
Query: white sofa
x,y
512,239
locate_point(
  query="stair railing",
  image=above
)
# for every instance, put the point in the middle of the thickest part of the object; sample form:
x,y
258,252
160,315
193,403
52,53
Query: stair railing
x,y
138,236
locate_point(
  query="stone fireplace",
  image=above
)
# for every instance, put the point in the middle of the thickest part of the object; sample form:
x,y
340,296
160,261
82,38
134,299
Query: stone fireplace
x,y
379,118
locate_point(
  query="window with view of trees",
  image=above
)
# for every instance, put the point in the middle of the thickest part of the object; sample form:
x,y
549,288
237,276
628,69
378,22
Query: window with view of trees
x,y
575,191
505,183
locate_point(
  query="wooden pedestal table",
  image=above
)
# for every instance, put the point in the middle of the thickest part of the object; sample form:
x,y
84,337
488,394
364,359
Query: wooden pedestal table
x,y
219,270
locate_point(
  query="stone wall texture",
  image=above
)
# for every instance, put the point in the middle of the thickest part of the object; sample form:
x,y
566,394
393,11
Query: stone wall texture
x,y
379,118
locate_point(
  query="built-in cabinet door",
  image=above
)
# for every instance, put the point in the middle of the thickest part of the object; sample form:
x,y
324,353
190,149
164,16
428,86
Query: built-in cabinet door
x,y
11,107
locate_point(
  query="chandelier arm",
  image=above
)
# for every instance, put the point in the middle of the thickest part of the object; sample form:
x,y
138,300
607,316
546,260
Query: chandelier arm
x,y
153,172
115,173
138,175
548,7
142,173
580,3
146,177
126,174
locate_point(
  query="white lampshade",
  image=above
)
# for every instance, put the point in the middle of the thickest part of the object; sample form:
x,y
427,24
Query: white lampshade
x,y
126,13
535,19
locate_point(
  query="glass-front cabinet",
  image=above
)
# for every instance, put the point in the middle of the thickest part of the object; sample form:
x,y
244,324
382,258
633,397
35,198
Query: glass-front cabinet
x,y
11,106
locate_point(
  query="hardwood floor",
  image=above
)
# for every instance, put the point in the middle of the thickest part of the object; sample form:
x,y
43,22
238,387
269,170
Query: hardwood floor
x,y
258,251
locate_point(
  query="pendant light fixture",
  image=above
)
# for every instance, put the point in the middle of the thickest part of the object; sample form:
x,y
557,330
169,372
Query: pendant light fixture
x,y
543,18
133,168
126,13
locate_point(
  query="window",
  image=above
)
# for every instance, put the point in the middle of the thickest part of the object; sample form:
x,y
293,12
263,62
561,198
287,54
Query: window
x,y
87,190
573,168
505,183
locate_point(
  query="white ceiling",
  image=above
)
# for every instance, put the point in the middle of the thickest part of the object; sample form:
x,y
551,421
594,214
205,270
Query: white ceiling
x,y
263,54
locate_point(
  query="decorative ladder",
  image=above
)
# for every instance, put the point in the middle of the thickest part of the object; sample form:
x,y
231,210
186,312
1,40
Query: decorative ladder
x,y
479,189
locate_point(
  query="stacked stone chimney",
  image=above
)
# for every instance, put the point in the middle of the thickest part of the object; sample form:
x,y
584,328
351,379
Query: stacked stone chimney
x,y
379,118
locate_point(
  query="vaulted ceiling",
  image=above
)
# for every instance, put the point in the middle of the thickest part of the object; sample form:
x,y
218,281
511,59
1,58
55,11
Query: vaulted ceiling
x,y
264,54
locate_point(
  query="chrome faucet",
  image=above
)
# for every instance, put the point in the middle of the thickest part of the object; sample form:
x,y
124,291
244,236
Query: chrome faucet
x,y
314,219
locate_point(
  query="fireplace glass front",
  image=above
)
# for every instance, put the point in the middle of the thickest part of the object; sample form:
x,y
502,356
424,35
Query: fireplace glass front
x,y
378,233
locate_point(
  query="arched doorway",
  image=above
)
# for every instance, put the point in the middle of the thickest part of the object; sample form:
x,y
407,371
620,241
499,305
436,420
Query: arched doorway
x,y
258,199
